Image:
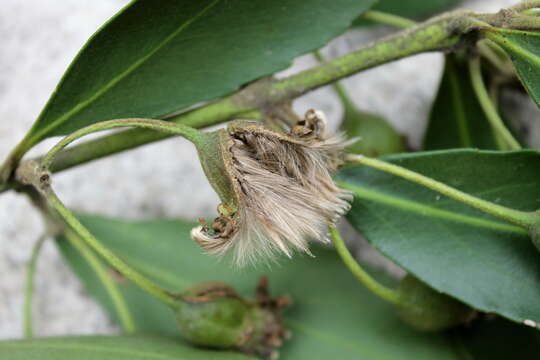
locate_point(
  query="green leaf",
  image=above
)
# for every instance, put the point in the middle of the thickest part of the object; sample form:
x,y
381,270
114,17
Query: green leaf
x,y
376,136
155,58
109,348
414,9
484,262
523,47
332,316
457,119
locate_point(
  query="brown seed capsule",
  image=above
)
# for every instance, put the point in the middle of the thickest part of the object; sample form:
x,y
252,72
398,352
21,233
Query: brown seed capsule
x,y
279,190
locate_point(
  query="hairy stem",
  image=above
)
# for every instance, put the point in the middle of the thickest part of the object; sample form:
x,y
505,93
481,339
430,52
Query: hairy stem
x,y
119,303
389,295
521,218
491,112
118,264
29,287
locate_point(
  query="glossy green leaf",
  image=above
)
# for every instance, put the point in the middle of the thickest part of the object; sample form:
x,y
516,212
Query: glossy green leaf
x,y
109,348
523,47
332,316
158,57
457,119
480,260
414,9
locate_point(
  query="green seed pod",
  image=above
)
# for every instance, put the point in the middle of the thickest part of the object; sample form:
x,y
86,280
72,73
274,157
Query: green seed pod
x,y
428,310
277,191
214,315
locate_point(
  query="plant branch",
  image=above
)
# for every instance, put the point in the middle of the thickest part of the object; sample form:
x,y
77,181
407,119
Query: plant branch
x,y
29,287
526,5
513,18
521,218
389,295
495,120
532,12
338,87
440,33
486,48
119,303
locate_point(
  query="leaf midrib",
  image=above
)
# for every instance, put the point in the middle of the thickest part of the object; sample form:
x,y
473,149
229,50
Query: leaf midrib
x,y
426,210
83,104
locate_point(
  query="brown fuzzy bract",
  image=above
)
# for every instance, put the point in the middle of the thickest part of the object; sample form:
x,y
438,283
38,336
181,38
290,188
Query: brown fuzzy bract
x,y
283,188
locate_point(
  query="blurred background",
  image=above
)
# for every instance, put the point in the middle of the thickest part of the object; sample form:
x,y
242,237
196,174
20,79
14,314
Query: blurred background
x,y
40,38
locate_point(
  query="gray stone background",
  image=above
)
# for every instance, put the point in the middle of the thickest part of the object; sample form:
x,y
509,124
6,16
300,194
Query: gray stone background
x,y
38,40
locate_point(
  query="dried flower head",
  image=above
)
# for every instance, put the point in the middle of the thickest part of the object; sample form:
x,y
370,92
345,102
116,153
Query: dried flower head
x,y
282,190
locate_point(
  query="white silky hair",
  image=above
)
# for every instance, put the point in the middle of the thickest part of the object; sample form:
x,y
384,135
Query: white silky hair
x,y
286,193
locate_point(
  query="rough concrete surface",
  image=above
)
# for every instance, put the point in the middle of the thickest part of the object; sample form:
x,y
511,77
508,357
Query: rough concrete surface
x,y
39,39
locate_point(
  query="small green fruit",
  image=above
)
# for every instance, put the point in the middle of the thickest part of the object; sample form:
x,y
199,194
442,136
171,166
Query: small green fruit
x,y
428,310
214,315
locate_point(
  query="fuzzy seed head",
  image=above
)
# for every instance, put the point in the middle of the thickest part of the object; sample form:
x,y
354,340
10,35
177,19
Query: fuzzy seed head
x,y
283,188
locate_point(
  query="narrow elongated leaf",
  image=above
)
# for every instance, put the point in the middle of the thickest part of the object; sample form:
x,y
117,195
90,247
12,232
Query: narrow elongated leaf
x,y
332,316
480,260
157,57
523,47
109,348
457,119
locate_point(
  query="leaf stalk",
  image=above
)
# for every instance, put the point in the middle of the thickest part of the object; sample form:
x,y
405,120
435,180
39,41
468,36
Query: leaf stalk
x,y
387,294
504,137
